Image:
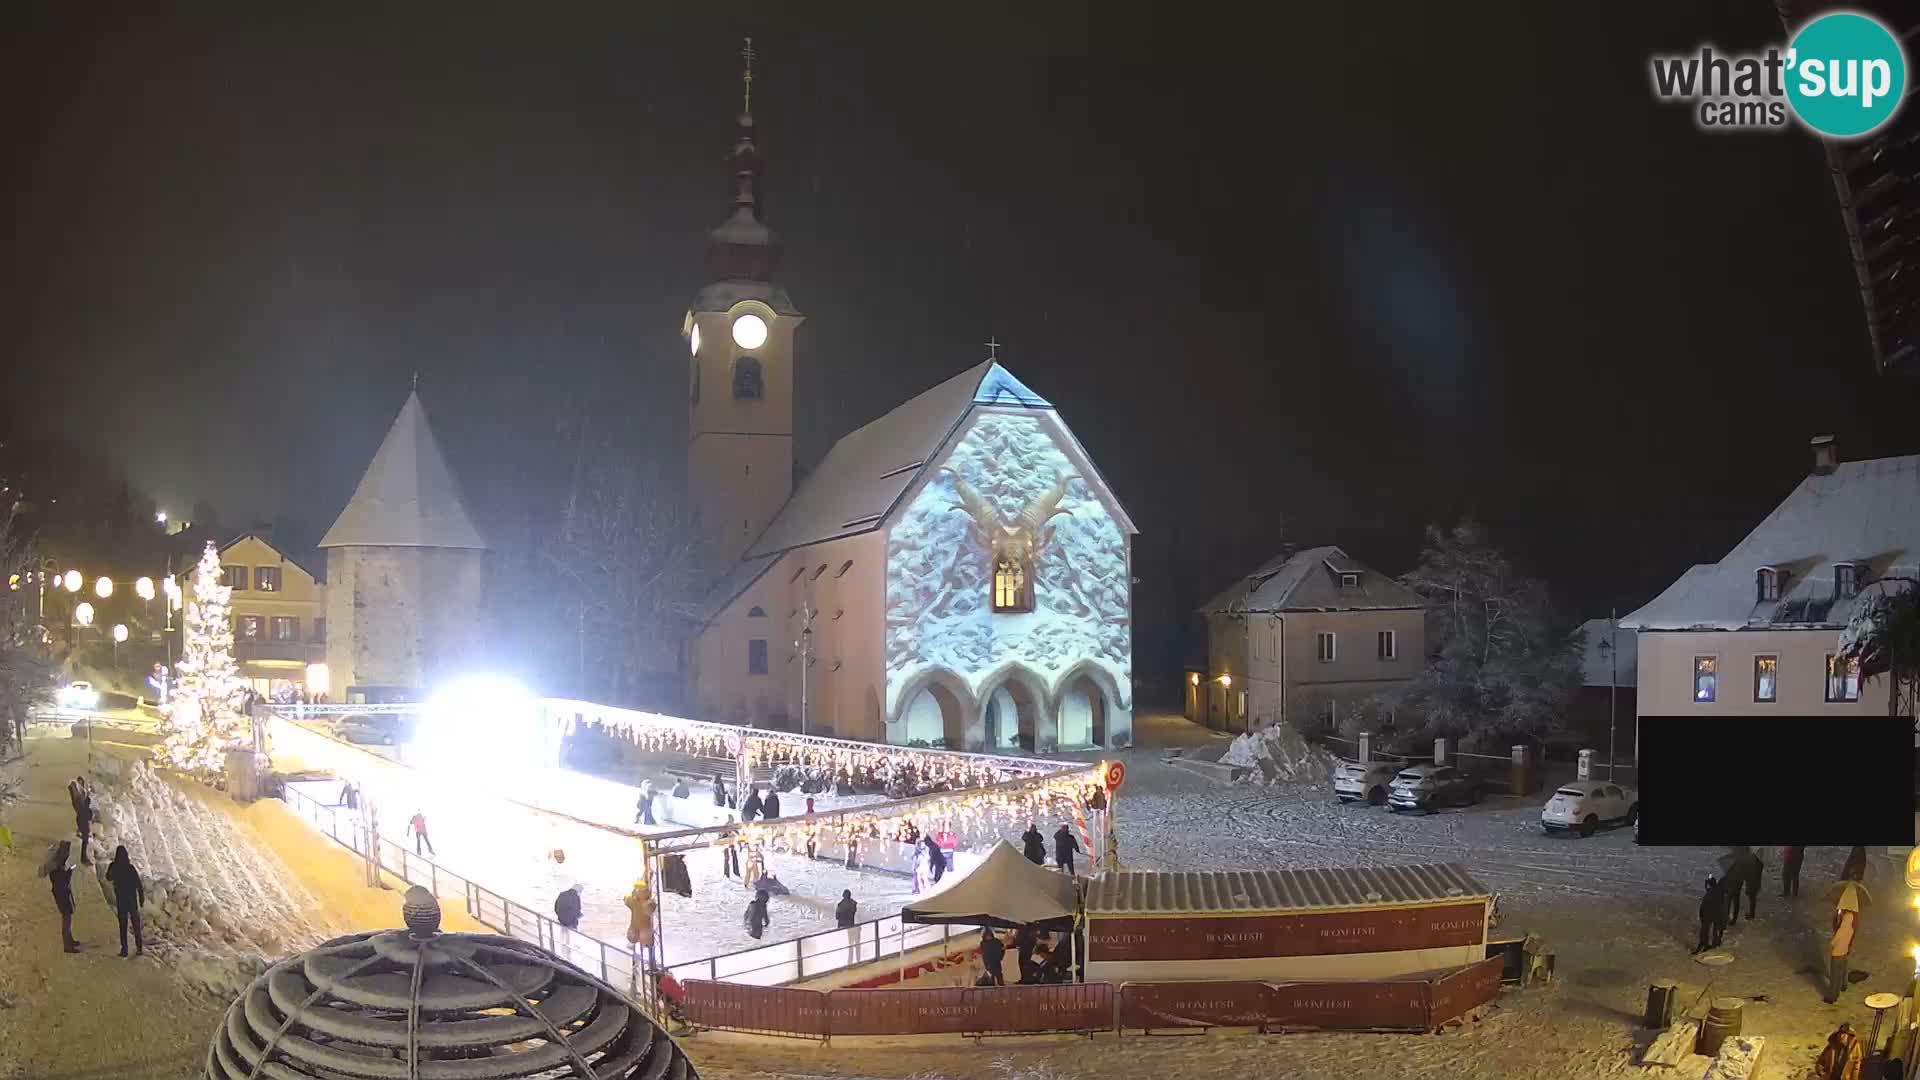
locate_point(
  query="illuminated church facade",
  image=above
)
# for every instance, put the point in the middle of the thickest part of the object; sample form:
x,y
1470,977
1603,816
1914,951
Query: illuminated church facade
x,y
955,573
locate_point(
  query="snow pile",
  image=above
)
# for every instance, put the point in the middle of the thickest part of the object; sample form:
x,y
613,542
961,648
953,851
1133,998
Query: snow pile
x,y
1739,1059
1280,754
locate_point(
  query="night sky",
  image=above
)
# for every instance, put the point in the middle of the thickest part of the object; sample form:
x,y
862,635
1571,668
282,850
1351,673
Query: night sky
x,y
1357,271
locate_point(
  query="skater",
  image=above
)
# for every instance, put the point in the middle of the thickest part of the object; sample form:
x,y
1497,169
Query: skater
x,y
770,806
720,798
1790,860
771,885
1846,921
730,856
566,911
419,827
750,806
993,953
1064,845
645,806
756,917
847,911
1842,1057
809,806
59,873
936,861
680,789
129,895
1713,916
83,822
1036,844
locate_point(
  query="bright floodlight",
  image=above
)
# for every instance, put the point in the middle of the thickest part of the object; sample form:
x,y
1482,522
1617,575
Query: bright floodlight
x,y
693,340
480,722
103,588
119,631
73,581
83,614
749,331
144,588
160,517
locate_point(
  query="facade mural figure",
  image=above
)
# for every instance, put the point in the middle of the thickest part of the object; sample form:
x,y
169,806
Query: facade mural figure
x,y
1015,547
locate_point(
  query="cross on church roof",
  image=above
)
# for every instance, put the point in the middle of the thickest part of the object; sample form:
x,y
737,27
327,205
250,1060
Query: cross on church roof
x,y
747,54
993,347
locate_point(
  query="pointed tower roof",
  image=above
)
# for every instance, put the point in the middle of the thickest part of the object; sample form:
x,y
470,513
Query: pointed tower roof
x,y
408,497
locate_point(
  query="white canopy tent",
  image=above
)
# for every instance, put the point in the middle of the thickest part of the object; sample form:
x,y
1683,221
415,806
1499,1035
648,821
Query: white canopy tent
x,y
1004,891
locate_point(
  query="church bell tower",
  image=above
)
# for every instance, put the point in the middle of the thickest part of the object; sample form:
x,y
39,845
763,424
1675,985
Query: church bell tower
x,y
739,334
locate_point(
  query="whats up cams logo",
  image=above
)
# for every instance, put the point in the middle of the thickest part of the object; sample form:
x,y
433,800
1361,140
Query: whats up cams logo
x,y
1843,75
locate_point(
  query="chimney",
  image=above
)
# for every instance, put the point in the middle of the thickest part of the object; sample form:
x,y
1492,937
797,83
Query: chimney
x,y
1826,455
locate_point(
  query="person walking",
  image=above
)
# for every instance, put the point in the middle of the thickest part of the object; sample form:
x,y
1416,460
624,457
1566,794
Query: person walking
x,y
58,870
770,806
419,827
566,912
1841,1058
1713,916
720,793
750,806
1035,843
756,917
993,953
83,824
1846,921
936,860
129,896
846,916
1750,881
645,806
1790,859
1064,846
639,903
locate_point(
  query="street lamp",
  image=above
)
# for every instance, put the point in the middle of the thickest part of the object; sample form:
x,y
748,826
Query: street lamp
x,y
72,581
160,517
83,614
103,588
144,588
119,632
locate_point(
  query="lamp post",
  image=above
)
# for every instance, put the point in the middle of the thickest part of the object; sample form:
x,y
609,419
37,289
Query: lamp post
x,y
805,647
1610,646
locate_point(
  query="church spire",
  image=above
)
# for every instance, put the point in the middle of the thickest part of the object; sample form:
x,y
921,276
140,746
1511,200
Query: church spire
x,y
743,248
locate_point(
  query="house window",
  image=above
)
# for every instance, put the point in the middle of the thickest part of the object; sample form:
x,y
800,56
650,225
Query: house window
x,y
1846,580
1389,645
1705,677
319,630
1325,647
747,384
1349,581
266,579
247,627
1766,676
1010,591
757,656
286,628
1843,679
1769,588
235,577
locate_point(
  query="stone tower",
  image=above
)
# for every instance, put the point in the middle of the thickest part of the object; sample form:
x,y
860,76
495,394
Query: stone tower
x,y
739,333
403,568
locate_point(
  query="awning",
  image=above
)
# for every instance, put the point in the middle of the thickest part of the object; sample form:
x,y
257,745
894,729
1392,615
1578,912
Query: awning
x,y
1005,890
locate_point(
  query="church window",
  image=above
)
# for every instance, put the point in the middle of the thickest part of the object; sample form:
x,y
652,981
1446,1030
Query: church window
x,y
844,567
757,612
839,612
797,571
757,656
747,385
821,569
1011,591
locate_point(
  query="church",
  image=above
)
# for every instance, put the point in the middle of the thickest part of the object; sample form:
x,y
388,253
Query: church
x,y
954,574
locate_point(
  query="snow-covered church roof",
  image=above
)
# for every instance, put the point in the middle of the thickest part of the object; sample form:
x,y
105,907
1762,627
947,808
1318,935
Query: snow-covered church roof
x,y
1309,580
408,498
1866,513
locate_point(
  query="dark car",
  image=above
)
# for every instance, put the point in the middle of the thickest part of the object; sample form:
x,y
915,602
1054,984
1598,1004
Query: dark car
x,y
1428,787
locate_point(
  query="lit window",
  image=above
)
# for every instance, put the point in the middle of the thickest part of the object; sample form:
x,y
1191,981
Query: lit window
x,y
286,628
747,384
247,627
1389,646
1843,679
1325,646
1010,592
235,577
1705,669
1769,579
266,579
1846,580
1766,672
757,656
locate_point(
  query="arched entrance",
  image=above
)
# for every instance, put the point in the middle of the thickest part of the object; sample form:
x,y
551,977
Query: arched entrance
x,y
934,717
1013,718
1083,714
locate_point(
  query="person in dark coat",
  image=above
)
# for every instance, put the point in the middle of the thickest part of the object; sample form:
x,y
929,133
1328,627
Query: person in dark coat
x,y
566,907
680,788
770,806
936,859
644,808
847,911
720,792
83,824
993,953
1856,865
1064,846
1750,883
129,895
750,806
757,918
1024,942
59,873
1036,845
730,856
1790,859
1713,915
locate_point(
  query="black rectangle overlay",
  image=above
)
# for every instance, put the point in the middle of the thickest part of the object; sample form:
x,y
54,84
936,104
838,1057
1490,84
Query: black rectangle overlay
x,y
1818,781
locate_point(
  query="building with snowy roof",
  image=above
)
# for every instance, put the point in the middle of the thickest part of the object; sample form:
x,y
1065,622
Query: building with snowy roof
x,y
1306,638
954,573
1758,632
403,570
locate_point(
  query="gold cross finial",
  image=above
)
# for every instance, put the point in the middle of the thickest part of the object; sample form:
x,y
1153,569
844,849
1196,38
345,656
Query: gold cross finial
x,y
993,348
416,380
747,54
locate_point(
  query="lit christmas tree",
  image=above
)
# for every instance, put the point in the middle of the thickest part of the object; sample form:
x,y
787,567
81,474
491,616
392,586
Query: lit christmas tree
x,y
205,719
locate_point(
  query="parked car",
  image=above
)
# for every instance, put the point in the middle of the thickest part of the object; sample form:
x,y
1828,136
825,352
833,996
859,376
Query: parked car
x,y
1428,787
1585,805
377,730
1356,781
79,695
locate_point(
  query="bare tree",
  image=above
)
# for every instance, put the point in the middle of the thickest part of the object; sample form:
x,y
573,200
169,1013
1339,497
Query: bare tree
x,y
26,672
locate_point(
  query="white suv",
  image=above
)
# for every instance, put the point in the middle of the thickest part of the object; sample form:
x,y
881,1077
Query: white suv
x,y
1355,781
1585,805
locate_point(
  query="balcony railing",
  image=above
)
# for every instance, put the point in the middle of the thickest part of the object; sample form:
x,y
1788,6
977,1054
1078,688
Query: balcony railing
x,y
301,651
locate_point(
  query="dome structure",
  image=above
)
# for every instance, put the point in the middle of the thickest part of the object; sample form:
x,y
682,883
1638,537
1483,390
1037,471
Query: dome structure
x,y
418,1004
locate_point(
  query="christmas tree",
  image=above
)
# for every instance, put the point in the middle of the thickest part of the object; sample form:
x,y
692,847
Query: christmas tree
x,y
205,719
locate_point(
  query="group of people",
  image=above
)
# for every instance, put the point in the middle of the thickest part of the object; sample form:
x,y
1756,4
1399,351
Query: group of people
x,y
643,810
129,892
1048,961
1065,847
1744,869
